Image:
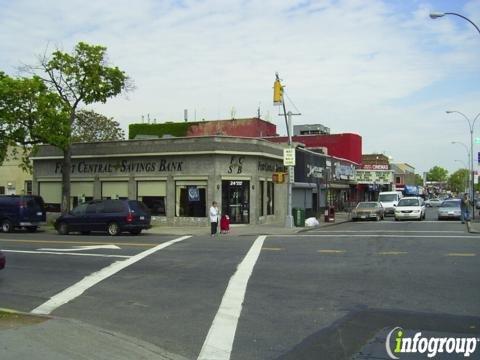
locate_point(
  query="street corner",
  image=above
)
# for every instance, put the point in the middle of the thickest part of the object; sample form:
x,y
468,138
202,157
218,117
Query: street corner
x,y
11,319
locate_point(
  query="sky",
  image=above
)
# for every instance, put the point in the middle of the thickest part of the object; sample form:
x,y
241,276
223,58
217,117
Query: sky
x,y
381,69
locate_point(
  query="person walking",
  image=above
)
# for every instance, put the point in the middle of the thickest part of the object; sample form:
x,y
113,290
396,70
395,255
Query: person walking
x,y
464,207
214,214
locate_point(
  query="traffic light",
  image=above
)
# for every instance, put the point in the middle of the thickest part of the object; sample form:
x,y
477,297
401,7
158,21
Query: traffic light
x,y
277,93
278,177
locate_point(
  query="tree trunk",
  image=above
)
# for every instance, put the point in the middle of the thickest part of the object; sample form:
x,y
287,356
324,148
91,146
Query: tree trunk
x,y
66,170
67,167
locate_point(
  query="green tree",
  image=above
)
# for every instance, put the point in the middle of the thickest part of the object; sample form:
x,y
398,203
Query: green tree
x,y
437,173
458,181
30,114
90,126
80,78
418,180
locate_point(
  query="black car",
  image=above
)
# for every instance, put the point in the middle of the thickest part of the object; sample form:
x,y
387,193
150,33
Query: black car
x,y
21,211
112,216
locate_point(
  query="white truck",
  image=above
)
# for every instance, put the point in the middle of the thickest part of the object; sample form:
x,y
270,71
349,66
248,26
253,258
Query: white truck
x,y
389,200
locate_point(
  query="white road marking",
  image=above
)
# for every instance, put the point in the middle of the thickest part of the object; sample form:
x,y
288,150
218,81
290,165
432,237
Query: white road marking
x,y
331,251
393,231
87,282
82,248
386,235
219,341
65,253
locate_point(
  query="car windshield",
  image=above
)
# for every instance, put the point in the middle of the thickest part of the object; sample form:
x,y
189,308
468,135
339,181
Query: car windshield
x,y
451,204
367,205
409,202
387,197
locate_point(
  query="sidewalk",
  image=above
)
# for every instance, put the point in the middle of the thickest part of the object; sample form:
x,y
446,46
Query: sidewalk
x,y
474,226
41,337
245,230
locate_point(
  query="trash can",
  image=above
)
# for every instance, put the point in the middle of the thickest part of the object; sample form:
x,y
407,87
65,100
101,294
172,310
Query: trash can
x,y
298,217
329,215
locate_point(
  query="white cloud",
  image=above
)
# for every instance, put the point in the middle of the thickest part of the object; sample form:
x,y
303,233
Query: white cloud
x,y
345,63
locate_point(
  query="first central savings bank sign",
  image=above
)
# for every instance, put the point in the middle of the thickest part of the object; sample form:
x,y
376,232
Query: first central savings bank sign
x,y
122,166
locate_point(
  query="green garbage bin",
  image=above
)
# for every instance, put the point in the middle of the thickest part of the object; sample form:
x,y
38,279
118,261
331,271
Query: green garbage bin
x,y
298,217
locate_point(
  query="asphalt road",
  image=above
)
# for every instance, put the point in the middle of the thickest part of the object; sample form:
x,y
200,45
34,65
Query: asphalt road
x,y
320,294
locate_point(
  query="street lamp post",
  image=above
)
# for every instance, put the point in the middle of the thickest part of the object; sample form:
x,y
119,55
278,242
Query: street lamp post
x,y
436,15
471,126
468,161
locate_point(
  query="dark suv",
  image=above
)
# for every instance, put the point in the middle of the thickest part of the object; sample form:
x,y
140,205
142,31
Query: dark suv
x,y
21,211
112,216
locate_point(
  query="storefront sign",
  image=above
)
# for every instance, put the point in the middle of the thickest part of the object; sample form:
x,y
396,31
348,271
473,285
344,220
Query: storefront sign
x,y
236,165
289,157
374,177
315,171
375,166
270,167
344,172
123,166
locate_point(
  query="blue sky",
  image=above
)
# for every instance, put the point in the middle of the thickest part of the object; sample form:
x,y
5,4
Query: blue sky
x,y
382,69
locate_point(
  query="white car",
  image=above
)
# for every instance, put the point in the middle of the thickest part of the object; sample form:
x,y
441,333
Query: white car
x,y
410,208
433,202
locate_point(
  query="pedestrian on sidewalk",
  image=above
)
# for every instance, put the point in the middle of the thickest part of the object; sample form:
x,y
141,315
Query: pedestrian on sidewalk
x,y
225,224
214,214
465,208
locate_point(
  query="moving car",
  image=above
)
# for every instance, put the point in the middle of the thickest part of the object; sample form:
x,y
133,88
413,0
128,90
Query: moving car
x,y
433,202
2,260
21,211
450,209
389,199
368,210
410,208
112,216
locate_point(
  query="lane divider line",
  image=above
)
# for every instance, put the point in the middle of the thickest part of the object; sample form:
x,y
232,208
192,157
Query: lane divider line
x,y
87,282
219,341
24,241
65,253
331,251
272,248
377,235
461,254
392,253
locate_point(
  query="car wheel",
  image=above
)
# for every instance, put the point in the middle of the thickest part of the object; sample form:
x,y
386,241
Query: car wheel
x,y
7,226
63,228
396,219
136,231
32,229
113,229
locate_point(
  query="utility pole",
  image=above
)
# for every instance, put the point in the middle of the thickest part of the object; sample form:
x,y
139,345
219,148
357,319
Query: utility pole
x,y
279,100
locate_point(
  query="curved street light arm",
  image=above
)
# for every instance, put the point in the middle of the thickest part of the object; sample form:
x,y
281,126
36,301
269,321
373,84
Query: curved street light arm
x,y
465,18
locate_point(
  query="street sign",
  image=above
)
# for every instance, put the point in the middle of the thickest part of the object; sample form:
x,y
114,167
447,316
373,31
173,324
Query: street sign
x,y
289,157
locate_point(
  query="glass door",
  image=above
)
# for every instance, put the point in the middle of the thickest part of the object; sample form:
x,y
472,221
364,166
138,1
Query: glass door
x,y
236,200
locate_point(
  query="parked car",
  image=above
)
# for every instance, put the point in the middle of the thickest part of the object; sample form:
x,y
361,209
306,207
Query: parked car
x,y
2,260
433,202
410,208
112,216
21,211
450,209
368,210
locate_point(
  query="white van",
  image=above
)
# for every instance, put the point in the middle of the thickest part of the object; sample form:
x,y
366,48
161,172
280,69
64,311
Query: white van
x,y
389,200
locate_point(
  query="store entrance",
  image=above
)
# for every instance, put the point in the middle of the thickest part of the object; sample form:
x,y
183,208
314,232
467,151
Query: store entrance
x,y
236,200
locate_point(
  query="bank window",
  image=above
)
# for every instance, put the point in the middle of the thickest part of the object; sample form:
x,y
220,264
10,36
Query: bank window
x,y
270,198
114,190
190,198
153,195
51,192
262,195
28,187
2,190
